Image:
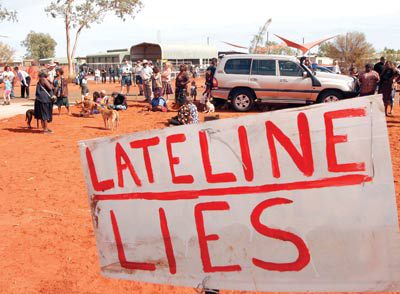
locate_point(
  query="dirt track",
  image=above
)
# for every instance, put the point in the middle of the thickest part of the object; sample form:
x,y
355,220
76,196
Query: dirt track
x,y
47,242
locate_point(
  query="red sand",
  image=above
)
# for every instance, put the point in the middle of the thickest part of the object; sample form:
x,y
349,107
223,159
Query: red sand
x,y
47,240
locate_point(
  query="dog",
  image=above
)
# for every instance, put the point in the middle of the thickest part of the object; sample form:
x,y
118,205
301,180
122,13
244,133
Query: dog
x,y
209,107
110,118
29,116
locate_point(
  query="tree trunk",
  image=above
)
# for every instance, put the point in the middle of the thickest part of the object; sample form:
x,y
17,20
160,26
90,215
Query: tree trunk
x,y
78,32
71,70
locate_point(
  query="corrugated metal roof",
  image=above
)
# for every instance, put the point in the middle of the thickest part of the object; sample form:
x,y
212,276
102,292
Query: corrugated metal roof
x,y
182,50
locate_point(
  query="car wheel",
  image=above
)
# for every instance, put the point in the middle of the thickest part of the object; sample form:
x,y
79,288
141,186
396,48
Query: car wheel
x,y
242,100
330,96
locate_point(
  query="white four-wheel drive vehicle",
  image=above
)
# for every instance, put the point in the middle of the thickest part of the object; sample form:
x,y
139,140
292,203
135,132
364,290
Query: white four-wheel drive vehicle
x,y
245,79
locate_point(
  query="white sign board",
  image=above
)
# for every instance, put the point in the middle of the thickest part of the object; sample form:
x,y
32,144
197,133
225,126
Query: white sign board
x,y
293,200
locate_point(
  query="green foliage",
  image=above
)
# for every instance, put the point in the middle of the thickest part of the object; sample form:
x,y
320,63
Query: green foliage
x,y
6,53
275,48
391,54
7,15
81,14
39,45
350,48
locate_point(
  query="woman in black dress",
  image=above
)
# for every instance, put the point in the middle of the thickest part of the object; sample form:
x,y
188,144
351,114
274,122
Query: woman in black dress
x,y
181,82
386,85
43,102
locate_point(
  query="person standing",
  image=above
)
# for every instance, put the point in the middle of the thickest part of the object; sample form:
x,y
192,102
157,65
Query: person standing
x,y
103,76
126,81
386,86
166,81
138,78
369,80
210,72
97,76
61,91
7,90
146,74
336,67
380,66
156,80
43,109
52,72
25,81
11,77
181,82
111,72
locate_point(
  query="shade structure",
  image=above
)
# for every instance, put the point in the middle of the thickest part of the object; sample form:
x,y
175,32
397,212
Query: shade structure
x,y
163,51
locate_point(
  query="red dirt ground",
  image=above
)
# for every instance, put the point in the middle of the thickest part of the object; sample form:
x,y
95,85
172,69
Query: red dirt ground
x,y
47,243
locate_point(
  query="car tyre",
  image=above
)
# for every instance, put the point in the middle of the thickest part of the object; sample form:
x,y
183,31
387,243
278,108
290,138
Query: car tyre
x,y
330,96
242,100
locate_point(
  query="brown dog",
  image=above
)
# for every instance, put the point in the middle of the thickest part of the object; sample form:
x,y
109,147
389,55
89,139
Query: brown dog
x,y
29,116
110,118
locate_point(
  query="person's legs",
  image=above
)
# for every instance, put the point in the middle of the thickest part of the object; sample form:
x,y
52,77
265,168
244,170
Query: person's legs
x,y
28,83
22,91
59,110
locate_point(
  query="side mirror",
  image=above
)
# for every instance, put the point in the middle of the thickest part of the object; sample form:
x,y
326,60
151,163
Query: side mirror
x,y
305,74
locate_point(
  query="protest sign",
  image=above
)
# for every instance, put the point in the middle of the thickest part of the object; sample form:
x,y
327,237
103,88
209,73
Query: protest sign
x,y
293,200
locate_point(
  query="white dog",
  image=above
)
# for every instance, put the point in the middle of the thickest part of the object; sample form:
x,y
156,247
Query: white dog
x,y
209,107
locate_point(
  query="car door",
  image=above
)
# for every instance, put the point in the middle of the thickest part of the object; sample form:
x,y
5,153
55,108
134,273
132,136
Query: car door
x,y
237,73
264,79
292,85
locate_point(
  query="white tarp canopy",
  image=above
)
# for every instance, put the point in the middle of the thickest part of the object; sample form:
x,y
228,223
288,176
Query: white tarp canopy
x,y
163,51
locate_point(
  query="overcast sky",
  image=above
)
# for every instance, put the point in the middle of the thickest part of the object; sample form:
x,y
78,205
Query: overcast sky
x,y
191,21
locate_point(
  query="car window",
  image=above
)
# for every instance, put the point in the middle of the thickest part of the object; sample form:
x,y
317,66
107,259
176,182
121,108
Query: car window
x,y
238,66
290,69
264,67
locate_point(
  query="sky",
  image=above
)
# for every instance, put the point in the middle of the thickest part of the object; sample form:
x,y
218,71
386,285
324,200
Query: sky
x,y
180,21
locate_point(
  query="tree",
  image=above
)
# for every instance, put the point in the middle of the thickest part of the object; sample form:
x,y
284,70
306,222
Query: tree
x,y
6,53
8,15
391,54
351,48
79,15
39,45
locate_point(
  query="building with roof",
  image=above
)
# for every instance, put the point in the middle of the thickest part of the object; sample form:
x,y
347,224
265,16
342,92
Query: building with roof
x,y
107,59
196,54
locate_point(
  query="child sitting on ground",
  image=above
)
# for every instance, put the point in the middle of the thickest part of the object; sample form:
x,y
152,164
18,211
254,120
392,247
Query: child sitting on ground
x,y
119,101
7,90
193,90
158,103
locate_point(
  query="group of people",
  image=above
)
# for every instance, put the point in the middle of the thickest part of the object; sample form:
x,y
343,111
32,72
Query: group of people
x,y
114,74
382,77
10,80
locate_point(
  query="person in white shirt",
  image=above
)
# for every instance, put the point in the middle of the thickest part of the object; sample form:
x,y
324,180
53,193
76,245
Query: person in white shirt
x,y
11,77
146,74
52,72
97,76
138,78
126,80
25,81
336,67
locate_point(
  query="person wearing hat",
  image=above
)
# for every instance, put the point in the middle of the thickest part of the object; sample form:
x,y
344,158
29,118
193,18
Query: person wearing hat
x,y
43,109
126,80
51,74
146,74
